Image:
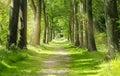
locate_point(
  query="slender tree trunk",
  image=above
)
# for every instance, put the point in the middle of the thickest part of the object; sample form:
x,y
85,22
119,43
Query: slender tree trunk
x,y
50,39
85,33
91,40
71,22
81,23
81,33
23,29
77,42
37,28
45,22
13,23
111,25
83,27
47,31
70,29
45,40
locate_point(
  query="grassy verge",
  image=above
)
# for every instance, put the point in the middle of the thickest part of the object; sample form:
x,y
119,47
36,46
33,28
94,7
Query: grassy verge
x,y
111,68
23,62
84,63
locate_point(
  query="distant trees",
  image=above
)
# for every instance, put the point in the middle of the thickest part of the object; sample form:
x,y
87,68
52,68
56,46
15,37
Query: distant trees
x,y
73,18
82,33
73,23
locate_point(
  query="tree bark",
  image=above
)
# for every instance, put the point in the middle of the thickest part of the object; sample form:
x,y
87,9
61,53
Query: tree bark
x,y
23,28
91,40
45,40
35,40
83,26
13,23
111,25
77,42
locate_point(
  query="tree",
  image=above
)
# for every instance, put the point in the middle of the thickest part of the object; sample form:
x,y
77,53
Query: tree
x,y
35,40
13,23
111,25
23,20
91,40
77,42
71,22
83,25
45,40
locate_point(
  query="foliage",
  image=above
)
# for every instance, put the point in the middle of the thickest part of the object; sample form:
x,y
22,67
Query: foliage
x,y
84,63
3,22
25,62
110,68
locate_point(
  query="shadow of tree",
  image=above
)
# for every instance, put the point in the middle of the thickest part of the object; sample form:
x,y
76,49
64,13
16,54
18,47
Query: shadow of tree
x,y
85,63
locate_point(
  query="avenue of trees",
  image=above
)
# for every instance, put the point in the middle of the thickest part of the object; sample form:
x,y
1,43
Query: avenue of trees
x,y
76,20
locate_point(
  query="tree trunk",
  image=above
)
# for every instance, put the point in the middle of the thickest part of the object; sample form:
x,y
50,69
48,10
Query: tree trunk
x,y
83,26
91,40
71,22
13,23
23,29
111,25
37,27
32,5
45,40
77,42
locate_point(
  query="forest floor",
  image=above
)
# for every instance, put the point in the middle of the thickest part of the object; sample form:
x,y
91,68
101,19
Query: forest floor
x,y
59,58
68,60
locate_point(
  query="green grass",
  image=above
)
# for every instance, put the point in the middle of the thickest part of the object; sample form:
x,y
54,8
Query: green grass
x,y
111,68
23,62
84,63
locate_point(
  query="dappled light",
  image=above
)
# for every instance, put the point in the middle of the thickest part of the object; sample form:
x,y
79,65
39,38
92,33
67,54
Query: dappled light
x,y
59,37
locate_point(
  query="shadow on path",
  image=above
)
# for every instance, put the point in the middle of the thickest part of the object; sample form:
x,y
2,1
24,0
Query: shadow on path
x,y
56,64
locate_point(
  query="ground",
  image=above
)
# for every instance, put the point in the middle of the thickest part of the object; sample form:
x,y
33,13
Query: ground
x,y
58,58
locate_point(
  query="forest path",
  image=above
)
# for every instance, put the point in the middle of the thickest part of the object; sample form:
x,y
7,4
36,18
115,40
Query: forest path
x,y
56,63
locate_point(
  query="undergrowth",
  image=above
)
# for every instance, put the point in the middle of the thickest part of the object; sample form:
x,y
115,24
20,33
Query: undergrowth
x,y
27,62
84,63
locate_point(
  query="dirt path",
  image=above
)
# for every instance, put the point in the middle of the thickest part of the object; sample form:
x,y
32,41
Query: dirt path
x,y
56,64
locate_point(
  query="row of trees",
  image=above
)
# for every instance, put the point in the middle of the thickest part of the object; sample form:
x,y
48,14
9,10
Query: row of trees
x,y
19,10
73,18
82,34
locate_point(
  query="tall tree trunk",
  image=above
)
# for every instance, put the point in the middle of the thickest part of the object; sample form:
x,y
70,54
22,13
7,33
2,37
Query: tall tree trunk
x,y
111,25
13,23
33,6
83,26
81,23
77,42
71,22
51,33
70,29
45,40
91,40
23,29
37,27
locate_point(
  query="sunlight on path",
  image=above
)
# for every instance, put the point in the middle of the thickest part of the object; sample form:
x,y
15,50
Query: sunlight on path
x,y
56,64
